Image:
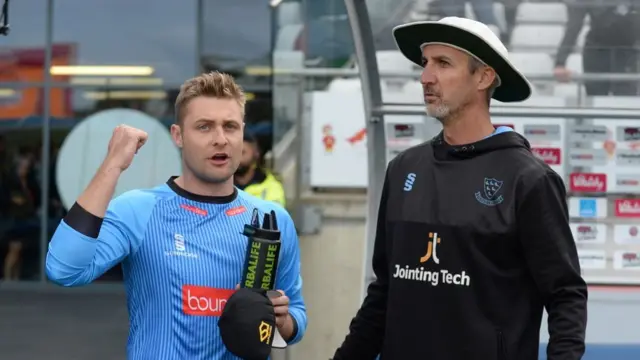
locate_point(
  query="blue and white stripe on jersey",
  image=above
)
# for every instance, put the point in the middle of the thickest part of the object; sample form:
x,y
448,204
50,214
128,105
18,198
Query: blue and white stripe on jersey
x,y
182,257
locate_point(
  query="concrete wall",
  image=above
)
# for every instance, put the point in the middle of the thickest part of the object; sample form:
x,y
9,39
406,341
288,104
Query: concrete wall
x,y
332,267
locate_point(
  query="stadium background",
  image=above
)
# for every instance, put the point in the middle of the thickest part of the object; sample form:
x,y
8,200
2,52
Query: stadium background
x,y
279,51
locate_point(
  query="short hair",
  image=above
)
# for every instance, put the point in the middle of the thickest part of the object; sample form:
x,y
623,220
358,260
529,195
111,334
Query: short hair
x,y
214,84
474,65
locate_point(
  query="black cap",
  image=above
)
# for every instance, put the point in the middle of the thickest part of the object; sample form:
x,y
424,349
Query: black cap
x,y
249,137
248,324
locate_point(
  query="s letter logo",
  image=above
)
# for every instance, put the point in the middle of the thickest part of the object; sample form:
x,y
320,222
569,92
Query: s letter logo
x,y
408,183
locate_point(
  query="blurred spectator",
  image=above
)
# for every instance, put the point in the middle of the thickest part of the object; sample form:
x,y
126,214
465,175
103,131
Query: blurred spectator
x,y
56,210
483,10
23,202
253,178
609,46
510,12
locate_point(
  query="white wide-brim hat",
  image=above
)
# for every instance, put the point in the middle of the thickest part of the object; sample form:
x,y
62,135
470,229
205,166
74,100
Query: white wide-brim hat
x,y
472,37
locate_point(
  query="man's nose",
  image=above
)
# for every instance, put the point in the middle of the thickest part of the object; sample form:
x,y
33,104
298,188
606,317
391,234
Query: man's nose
x,y
219,137
428,76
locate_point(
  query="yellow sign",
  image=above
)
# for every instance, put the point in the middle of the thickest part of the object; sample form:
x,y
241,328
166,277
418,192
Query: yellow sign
x,y
265,332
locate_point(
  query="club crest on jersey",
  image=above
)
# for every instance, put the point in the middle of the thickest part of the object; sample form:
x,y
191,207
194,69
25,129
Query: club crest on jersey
x,y
490,196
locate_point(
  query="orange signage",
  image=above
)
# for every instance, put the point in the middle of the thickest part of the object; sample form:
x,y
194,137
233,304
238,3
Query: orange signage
x,y
27,65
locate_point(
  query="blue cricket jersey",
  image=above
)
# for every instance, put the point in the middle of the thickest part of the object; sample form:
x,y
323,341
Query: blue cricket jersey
x,y
182,256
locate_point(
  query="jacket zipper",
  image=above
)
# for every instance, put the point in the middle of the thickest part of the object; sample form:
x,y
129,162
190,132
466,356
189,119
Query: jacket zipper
x,y
500,346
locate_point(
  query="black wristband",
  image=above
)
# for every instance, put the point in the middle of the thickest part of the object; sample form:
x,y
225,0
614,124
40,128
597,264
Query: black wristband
x,y
83,221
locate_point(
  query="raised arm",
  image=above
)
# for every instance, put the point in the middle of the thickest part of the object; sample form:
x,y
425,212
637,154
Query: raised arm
x,y
96,234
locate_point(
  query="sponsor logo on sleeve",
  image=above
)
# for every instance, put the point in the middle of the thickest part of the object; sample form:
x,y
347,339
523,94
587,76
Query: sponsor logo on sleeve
x,y
588,182
408,183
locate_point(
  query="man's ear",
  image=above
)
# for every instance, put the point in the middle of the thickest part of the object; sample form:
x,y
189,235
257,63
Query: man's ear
x,y
487,77
176,135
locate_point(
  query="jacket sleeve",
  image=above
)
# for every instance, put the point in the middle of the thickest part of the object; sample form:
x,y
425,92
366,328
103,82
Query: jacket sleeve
x,y
366,332
552,258
576,14
275,192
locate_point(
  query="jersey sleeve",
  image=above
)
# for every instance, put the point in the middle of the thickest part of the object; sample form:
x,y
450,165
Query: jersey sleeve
x,y
288,277
85,246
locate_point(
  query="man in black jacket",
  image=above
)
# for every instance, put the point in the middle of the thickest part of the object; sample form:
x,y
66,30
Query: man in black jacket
x,y
610,44
473,239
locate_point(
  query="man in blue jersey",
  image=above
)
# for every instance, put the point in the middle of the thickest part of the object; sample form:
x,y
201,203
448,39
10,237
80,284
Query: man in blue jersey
x,y
180,244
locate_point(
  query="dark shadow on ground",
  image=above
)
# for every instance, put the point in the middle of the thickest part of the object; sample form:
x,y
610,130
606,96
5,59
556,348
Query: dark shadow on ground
x,y
62,326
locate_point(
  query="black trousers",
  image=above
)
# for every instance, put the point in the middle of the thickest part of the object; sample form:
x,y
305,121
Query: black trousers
x,y
610,60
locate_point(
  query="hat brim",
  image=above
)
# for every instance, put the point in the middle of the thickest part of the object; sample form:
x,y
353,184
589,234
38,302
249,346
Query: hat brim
x,y
410,37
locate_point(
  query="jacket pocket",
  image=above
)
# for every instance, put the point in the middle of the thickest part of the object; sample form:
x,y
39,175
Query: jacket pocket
x,y
501,350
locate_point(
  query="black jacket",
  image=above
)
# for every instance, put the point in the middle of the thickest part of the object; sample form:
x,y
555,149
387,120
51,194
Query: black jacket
x,y
613,23
503,252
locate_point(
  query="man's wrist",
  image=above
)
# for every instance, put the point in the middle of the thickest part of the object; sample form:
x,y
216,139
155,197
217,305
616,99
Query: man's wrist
x,y
288,328
109,169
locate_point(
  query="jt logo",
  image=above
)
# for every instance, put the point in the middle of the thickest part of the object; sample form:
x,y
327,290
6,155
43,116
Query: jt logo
x,y
265,331
434,240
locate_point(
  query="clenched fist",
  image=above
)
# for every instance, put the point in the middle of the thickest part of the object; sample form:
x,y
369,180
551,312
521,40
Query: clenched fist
x,y
124,144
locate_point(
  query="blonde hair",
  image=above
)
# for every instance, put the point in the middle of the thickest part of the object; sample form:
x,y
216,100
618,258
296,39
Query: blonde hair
x,y
214,84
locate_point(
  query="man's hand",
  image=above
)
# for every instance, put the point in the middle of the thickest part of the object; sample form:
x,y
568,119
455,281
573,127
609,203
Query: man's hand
x,y
124,144
562,74
284,321
281,309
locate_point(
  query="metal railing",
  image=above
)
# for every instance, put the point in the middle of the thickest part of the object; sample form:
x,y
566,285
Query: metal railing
x,y
580,113
301,78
